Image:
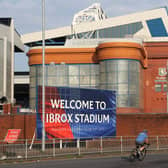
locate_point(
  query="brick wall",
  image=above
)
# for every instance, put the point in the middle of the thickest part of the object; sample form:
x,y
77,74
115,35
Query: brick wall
x,y
132,124
26,123
127,124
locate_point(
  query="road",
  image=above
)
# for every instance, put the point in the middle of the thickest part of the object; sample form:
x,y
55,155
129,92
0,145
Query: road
x,y
152,161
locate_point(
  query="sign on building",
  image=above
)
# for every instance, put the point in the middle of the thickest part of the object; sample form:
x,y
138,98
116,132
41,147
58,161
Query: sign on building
x,y
12,135
77,113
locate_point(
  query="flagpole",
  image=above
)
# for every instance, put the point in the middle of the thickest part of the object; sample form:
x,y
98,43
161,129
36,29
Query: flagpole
x,y
43,79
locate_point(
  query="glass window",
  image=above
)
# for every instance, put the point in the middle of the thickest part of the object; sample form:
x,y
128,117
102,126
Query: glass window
x,y
84,70
32,71
133,101
33,92
113,87
157,27
111,66
94,69
122,65
122,77
85,86
33,81
120,31
102,66
52,70
103,86
57,73
39,82
73,80
73,70
61,81
122,100
62,70
39,71
133,78
133,89
57,81
165,89
50,82
112,77
134,66
84,80
93,81
103,78
122,88
158,87
33,103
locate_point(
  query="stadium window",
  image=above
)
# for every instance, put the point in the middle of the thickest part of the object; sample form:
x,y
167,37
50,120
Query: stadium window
x,y
158,87
157,27
165,88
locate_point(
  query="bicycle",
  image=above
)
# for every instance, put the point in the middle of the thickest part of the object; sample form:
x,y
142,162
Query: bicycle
x,y
137,154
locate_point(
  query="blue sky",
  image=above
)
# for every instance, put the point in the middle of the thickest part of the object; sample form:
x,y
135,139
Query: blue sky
x,y
27,14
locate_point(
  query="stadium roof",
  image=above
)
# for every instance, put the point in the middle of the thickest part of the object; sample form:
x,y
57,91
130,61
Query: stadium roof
x,y
154,25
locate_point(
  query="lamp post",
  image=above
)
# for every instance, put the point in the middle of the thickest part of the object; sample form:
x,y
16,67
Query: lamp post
x,y
43,79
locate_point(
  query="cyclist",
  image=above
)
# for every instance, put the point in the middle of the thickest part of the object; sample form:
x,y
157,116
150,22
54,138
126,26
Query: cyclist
x,y
141,140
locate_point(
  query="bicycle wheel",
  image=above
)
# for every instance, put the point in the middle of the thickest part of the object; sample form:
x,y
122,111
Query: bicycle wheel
x,y
142,155
132,156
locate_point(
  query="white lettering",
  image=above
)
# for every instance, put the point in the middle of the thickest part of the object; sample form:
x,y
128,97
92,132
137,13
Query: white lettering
x,y
51,119
86,120
106,118
54,103
57,118
72,106
78,118
77,104
102,105
63,118
70,118
92,118
62,104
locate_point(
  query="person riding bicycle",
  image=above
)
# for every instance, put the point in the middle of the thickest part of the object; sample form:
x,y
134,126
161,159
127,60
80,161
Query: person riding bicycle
x,y
142,139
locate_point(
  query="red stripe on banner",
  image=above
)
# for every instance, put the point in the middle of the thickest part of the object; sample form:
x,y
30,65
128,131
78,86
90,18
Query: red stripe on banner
x,y
54,128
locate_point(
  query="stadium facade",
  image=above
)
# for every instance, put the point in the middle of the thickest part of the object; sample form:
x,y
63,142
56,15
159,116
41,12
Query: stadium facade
x,y
127,54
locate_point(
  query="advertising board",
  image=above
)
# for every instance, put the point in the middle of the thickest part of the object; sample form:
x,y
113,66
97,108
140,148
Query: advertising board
x,y
77,113
12,135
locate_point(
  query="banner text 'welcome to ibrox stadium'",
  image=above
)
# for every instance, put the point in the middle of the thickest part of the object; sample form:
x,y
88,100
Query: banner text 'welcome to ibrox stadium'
x,y
78,105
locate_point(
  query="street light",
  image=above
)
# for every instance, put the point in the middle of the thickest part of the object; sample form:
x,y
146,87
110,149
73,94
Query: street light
x,y
43,79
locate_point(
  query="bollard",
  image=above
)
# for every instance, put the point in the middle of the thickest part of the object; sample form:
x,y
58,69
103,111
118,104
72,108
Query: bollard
x,y
101,145
26,149
157,142
78,146
121,141
60,143
53,147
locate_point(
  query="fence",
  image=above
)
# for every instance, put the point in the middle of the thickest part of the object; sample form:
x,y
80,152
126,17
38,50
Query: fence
x,y
24,149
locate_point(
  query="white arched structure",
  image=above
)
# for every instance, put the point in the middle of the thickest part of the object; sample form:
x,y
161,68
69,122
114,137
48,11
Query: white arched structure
x,y
90,14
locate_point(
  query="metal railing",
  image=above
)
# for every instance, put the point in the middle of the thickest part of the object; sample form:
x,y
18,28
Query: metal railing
x,y
24,149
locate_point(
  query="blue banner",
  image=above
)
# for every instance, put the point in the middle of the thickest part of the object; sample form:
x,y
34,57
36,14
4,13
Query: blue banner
x,y
77,113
